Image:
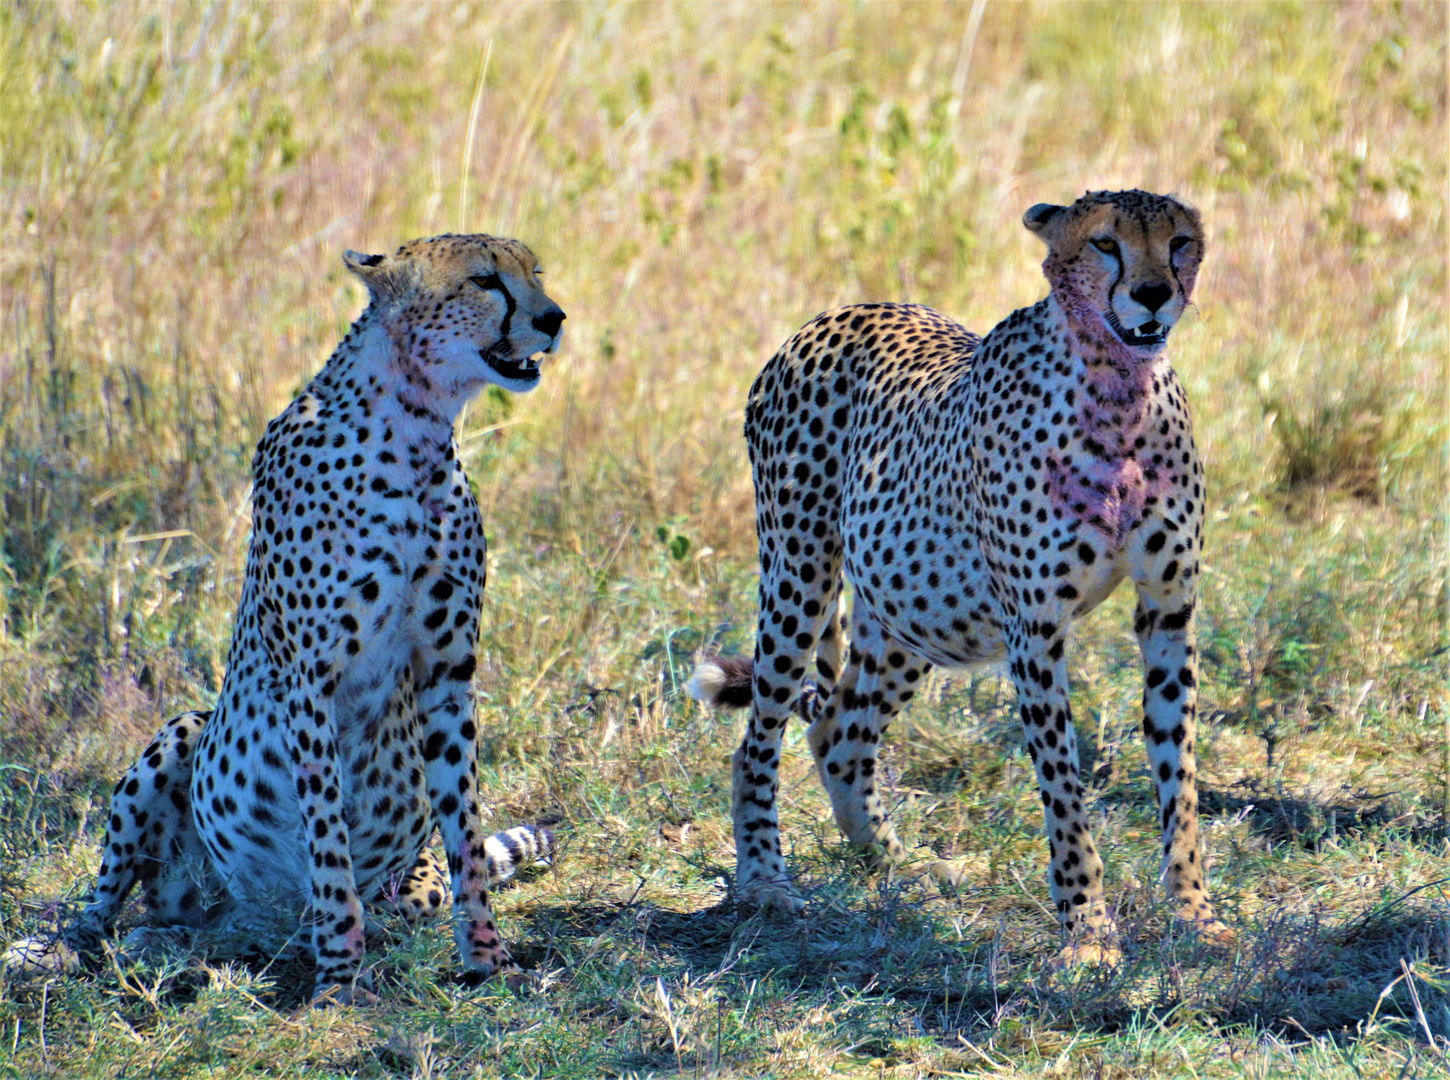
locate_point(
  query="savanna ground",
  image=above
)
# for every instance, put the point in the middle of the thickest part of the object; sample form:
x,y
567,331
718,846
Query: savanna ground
x,y
177,183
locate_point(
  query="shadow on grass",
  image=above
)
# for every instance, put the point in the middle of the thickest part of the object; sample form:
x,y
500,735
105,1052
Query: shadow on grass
x,y
883,960
1307,823
893,961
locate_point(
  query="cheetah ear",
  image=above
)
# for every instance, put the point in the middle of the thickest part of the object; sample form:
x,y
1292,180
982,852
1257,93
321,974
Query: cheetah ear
x,y
1041,218
1190,212
372,269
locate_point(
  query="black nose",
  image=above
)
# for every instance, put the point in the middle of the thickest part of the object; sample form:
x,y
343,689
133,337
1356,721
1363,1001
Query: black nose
x,y
549,322
1151,297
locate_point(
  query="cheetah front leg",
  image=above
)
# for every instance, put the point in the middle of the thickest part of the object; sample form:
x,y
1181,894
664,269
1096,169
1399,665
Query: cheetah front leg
x,y
443,686
1164,625
334,910
1038,663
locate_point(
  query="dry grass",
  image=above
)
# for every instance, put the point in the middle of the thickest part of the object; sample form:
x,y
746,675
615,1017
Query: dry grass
x,y
176,185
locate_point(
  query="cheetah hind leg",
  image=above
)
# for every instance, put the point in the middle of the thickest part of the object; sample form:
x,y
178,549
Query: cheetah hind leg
x,y
885,851
846,718
424,892
151,839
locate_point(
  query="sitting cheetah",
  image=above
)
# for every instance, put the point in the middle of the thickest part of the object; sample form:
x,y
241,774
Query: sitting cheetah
x,y
344,730
980,493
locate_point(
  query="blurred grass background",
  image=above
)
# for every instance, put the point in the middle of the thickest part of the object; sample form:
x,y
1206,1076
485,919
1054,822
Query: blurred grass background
x,y
177,183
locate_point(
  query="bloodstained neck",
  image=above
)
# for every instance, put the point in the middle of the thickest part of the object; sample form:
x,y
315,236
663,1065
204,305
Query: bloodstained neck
x,y
1103,485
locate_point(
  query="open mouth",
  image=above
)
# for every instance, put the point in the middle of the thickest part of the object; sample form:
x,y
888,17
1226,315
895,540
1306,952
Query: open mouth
x,y
1149,334
522,370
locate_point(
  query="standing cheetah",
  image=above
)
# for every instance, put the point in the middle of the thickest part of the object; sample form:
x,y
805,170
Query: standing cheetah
x,y
344,731
980,493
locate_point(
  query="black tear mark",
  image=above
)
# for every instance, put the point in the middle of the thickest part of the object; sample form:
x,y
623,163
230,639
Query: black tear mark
x,y
508,299
495,283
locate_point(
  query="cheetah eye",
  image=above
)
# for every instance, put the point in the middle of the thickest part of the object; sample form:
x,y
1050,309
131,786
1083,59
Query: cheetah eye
x,y
1106,244
1178,243
488,281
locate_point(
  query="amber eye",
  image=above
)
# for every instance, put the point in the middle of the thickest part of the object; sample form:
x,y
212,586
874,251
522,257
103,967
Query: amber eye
x,y
1178,243
488,281
1106,244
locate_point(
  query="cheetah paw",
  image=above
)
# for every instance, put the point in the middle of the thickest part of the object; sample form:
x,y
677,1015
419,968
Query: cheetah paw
x,y
357,992
1091,952
1210,929
511,975
771,899
153,942
941,873
34,957
337,995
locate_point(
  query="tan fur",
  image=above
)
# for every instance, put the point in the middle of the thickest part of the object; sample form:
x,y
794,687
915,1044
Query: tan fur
x,y
345,731
980,494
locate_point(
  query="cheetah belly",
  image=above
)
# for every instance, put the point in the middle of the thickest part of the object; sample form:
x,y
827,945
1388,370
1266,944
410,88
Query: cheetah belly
x,y
929,591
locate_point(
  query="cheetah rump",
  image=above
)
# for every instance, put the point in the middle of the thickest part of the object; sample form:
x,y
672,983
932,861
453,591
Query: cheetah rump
x,y
979,494
344,731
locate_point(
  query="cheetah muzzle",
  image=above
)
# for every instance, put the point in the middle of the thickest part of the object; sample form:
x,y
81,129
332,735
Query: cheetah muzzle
x,y
344,733
979,494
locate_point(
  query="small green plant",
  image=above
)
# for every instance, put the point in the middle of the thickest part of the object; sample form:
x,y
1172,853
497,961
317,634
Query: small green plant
x,y
675,541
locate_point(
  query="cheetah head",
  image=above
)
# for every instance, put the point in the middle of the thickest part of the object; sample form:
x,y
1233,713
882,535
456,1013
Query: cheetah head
x,y
1122,263
468,310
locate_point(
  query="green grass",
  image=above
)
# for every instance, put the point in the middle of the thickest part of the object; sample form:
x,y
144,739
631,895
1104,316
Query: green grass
x,y
177,184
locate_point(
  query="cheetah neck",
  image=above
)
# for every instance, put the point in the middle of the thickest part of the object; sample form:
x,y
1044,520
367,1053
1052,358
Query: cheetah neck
x,y
1103,486
375,367
1116,381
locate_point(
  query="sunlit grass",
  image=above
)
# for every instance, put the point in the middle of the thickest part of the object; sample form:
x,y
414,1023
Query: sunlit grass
x,y
176,186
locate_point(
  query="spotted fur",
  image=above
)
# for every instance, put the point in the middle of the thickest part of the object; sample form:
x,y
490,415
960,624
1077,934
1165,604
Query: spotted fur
x,y
979,494
344,731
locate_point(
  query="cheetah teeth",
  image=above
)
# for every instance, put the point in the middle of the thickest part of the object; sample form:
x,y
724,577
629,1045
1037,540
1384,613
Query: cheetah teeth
x,y
1150,333
521,368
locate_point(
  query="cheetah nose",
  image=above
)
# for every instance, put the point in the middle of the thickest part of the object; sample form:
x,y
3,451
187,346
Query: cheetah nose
x,y
1151,297
549,322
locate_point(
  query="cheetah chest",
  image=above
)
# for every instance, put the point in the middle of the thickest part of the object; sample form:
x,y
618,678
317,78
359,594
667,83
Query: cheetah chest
x,y
245,793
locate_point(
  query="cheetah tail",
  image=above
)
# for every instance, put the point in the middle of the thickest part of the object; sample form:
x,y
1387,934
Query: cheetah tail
x,y
723,682
516,849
